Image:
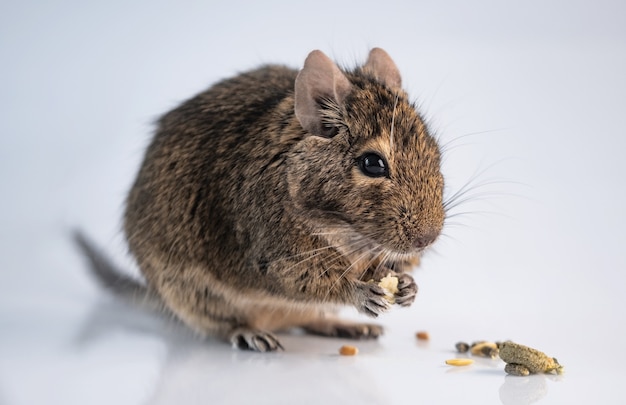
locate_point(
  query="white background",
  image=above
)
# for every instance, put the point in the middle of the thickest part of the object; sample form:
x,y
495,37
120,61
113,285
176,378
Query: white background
x,y
530,95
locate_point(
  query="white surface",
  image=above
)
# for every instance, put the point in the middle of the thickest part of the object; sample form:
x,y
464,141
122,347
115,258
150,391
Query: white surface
x,y
538,259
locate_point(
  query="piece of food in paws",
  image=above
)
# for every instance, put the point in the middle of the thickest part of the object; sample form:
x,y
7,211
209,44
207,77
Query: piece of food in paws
x,y
390,285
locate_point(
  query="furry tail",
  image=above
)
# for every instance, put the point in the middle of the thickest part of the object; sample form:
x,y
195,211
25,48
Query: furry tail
x,y
114,280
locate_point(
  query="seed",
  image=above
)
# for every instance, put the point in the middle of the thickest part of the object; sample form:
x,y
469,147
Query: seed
x,y
485,349
462,347
533,360
459,362
348,350
422,335
491,352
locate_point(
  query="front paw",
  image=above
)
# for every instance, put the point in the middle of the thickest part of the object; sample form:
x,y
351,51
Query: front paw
x,y
407,290
371,299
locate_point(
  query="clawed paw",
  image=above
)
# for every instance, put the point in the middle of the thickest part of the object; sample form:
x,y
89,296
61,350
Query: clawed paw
x,y
255,340
341,329
372,299
407,290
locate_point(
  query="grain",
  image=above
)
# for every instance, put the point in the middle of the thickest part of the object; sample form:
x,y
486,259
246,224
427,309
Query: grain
x,y
485,349
348,350
422,335
459,362
462,347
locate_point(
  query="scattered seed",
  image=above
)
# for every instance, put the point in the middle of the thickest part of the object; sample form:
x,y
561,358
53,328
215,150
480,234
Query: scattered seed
x,y
462,347
422,335
348,350
491,352
459,362
485,349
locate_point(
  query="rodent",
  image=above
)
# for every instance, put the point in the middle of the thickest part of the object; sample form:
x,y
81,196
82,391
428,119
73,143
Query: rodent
x,y
271,199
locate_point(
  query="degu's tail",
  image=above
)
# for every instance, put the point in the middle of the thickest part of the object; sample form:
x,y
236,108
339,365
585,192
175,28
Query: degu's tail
x,y
114,280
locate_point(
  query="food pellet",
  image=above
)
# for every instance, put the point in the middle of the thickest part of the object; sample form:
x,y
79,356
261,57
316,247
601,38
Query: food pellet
x,y
348,350
459,362
422,335
524,360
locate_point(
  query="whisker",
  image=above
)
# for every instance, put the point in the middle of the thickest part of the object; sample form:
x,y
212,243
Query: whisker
x,y
475,182
345,231
382,261
472,195
450,145
343,274
375,257
302,261
466,197
308,252
340,255
320,251
445,235
463,213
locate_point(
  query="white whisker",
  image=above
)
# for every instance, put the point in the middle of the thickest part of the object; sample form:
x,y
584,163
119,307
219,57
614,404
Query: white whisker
x,y
344,273
339,254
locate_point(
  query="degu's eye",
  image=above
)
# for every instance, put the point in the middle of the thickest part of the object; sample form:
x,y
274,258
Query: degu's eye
x,y
328,130
373,165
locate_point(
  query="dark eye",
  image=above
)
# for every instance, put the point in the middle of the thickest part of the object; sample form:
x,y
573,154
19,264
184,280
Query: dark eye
x,y
373,165
328,131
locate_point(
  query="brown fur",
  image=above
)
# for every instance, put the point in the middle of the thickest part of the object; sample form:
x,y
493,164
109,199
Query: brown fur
x,y
245,222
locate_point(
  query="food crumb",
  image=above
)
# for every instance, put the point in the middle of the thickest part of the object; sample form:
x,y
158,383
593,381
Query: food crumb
x,y
390,285
348,350
422,335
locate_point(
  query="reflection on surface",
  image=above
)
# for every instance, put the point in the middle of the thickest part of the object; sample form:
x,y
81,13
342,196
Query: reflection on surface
x,y
200,371
526,390
523,390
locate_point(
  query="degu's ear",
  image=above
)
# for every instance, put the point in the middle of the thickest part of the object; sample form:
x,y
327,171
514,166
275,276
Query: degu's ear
x,y
319,79
384,70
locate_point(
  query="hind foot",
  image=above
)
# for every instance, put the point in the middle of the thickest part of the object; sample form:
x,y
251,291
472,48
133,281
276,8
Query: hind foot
x,y
255,340
341,329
